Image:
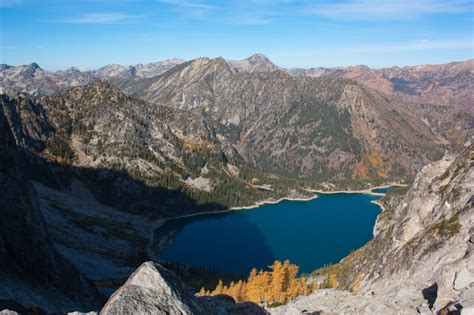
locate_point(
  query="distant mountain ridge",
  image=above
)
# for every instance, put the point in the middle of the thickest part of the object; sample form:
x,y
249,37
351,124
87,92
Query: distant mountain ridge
x,y
35,81
448,84
444,84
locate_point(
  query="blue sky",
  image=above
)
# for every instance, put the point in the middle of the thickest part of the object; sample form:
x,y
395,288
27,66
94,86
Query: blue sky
x,y
293,33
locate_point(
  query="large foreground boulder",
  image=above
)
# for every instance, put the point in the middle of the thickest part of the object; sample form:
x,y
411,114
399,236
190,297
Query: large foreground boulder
x,y
152,289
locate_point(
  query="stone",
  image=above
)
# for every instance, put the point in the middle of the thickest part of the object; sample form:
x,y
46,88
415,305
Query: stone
x,y
463,278
151,289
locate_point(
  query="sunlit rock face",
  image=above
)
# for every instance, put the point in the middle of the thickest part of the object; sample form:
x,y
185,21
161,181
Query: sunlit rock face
x,y
152,289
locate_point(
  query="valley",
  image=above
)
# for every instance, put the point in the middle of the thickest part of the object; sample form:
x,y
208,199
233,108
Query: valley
x,y
151,164
205,157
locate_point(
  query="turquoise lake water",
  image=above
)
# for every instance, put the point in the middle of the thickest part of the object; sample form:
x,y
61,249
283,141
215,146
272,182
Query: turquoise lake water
x,y
308,233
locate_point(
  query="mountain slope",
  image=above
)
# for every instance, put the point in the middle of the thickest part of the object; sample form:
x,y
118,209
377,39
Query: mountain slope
x,y
306,127
344,141
152,159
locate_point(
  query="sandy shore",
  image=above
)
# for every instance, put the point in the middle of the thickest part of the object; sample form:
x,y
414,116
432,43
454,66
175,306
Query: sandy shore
x,y
368,191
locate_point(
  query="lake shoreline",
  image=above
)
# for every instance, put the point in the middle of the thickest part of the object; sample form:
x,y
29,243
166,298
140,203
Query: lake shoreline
x,y
354,207
368,191
159,222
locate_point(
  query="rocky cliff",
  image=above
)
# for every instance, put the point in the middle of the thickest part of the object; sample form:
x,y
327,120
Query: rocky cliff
x,y
33,276
421,258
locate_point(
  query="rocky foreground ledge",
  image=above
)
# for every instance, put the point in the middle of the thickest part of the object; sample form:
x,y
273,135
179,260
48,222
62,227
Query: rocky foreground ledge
x,y
152,289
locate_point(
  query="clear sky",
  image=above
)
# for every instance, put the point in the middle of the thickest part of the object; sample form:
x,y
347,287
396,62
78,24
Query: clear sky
x,y
293,33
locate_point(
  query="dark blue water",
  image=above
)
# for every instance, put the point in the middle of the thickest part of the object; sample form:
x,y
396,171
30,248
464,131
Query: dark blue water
x,y
308,233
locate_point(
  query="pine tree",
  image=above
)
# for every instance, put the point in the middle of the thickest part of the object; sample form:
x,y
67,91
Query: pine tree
x,y
219,288
278,281
253,287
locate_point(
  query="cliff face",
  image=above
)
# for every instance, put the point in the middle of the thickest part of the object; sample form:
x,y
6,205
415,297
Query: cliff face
x,y
31,271
421,257
427,239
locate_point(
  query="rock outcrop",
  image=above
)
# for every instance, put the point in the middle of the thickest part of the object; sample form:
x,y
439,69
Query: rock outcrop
x,y
152,289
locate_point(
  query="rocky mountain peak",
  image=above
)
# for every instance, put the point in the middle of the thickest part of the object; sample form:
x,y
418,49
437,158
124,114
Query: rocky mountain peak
x,y
258,57
71,71
34,66
174,60
30,70
255,63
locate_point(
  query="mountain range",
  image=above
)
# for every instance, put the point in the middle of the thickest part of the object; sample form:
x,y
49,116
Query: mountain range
x,y
100,157
445,84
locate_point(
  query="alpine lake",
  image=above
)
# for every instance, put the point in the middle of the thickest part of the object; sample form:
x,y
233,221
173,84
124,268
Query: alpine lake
x,y
310,233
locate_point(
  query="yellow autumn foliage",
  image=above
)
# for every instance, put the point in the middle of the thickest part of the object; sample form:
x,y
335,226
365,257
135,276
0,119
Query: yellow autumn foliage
x,y
279,285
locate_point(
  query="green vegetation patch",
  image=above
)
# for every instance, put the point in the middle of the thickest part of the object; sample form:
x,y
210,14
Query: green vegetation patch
x,y
449,226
